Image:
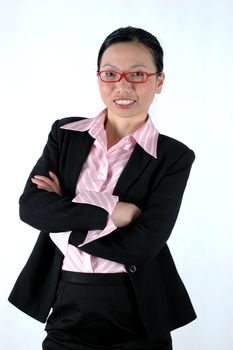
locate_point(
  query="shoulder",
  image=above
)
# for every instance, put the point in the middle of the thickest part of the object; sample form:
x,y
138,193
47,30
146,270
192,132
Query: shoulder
x,y
61,135
68,120
171,148
59,123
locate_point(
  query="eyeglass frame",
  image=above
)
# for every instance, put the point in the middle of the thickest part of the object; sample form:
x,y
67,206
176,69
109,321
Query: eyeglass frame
x,y
124,75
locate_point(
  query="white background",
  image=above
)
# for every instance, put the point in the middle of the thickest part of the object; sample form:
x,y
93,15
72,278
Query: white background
x,y
47,71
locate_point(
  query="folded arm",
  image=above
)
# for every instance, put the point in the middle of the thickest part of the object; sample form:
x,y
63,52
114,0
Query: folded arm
x,y
49,211
121,213
44,206
143,239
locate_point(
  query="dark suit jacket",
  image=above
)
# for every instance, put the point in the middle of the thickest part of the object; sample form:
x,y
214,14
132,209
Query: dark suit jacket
x,y
154,185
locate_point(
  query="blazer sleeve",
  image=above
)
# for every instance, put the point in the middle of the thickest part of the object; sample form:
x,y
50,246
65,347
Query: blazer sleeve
x,y
143,239
49,212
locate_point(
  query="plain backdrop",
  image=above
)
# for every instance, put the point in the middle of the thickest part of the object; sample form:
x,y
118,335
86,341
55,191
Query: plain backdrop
x,y
48,71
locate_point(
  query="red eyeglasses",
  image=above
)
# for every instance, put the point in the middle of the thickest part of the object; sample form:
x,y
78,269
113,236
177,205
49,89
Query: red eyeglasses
x,y
111,76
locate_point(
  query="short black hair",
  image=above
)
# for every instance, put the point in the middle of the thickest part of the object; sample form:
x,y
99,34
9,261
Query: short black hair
x,y
132,34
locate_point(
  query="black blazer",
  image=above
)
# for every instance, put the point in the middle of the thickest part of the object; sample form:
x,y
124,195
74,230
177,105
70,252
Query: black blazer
x,y
154,185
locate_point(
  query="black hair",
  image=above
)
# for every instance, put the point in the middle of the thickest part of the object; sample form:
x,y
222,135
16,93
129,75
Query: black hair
x,y
129,34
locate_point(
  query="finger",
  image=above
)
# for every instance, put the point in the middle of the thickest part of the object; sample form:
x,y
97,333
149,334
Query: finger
x,y
43,178
45,182
56,181
42,187
48,186
54,178
42,182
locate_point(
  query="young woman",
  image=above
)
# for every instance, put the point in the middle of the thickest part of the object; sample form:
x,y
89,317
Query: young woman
x,y
105,195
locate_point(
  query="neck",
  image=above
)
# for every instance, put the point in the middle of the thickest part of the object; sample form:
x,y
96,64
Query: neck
x,y
117,128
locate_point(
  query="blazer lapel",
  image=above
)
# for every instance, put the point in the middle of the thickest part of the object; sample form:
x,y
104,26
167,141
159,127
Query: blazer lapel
x,y
133,169
79,148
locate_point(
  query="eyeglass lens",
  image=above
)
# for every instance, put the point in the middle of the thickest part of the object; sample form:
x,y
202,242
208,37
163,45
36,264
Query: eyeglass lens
x,y
133,77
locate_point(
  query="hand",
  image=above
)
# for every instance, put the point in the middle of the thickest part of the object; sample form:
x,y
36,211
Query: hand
x,y
48,184
125,213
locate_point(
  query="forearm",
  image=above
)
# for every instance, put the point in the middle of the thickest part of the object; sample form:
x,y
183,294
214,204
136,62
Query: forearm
x,y
51,213
136,243
143,239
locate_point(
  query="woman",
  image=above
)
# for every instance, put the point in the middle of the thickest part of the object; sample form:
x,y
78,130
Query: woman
x,y
105,195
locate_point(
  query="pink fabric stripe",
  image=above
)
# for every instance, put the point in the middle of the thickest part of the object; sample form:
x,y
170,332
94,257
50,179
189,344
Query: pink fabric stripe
x,y
104,200
95,186
96,234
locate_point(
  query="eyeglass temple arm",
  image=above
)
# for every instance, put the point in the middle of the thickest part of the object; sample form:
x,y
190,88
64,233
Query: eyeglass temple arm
x,y
156,73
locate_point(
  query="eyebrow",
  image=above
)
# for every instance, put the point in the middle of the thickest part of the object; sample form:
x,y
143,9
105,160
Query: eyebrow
x,y
132,67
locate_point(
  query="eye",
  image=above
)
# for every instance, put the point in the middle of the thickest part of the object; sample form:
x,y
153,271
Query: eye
x,y
109,74
137,77
137,74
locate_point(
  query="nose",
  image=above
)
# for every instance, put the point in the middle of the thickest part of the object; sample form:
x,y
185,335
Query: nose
x,y
123,85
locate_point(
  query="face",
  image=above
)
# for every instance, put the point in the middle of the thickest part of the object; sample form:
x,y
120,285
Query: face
x,y
124,99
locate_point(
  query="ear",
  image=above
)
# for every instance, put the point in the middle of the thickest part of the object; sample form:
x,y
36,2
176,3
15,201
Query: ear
x,y
159,83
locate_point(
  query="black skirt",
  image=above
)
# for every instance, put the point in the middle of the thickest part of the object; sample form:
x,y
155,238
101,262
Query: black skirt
x,y
98,311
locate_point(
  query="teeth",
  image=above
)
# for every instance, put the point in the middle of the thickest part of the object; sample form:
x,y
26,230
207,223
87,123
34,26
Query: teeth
x,y
124,102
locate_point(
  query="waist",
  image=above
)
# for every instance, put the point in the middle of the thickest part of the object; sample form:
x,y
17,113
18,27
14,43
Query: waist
x,y
94,278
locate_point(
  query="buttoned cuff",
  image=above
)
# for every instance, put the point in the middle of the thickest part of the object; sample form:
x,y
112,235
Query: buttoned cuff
x,y
96,234
104,200
61,239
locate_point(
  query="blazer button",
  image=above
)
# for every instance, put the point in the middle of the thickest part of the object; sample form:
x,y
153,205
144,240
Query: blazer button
x,y
132,268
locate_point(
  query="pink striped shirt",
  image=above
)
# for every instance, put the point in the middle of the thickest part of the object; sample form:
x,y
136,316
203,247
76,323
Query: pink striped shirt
x,y
95,186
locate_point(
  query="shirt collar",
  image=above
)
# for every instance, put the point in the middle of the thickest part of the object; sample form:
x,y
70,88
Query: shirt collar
x,y
87,124
146,136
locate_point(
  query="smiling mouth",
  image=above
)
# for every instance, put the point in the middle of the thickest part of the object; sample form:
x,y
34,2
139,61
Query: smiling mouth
x,y
124,102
